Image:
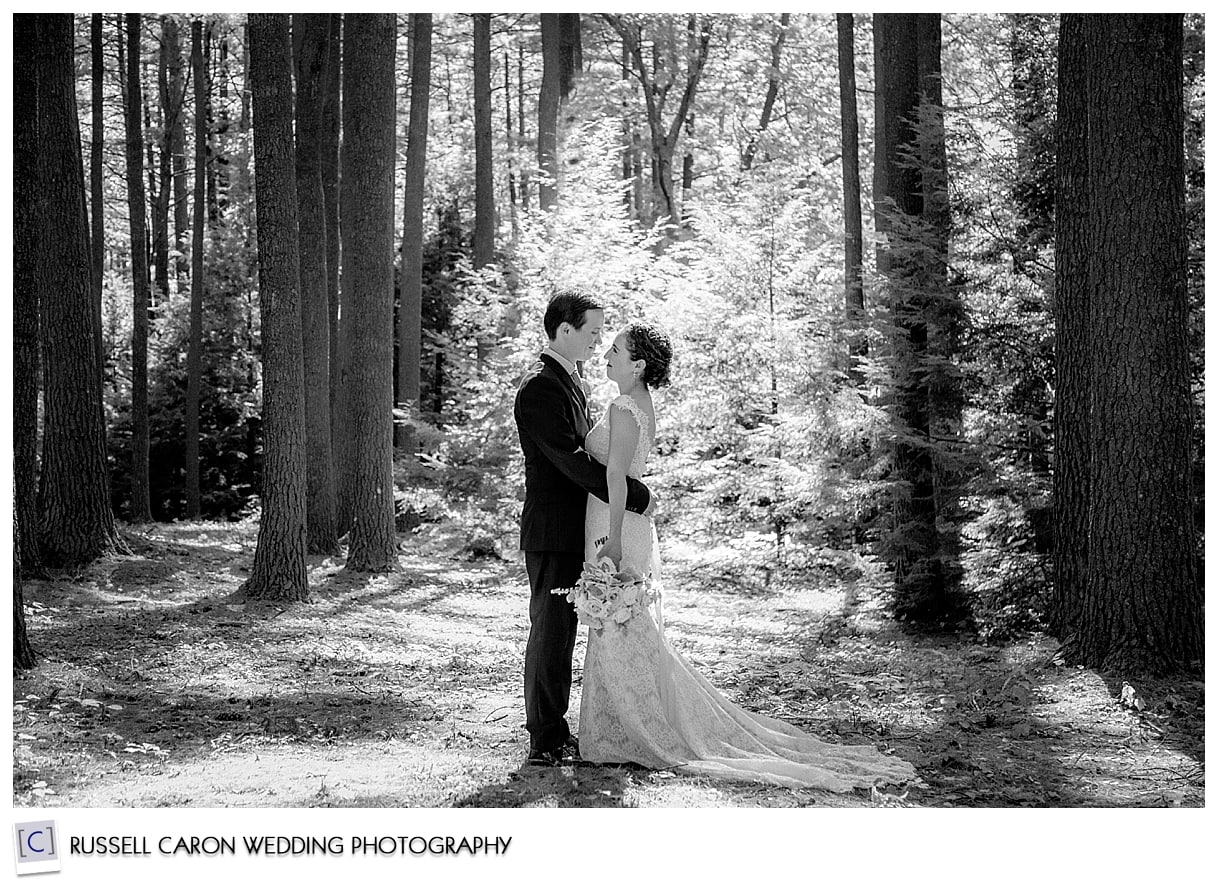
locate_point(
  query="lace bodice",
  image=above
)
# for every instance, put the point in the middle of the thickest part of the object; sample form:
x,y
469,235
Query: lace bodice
x,y
597,442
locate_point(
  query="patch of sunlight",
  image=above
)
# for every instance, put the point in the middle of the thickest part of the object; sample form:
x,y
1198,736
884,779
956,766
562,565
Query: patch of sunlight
x,y
818,602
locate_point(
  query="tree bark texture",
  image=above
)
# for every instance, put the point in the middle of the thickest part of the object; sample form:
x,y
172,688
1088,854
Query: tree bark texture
x,y
484,170
410,308
547,110
194,351
141,504
310,33
367,173
279,560
28,227
77,524
1072,294
852,211
1142,611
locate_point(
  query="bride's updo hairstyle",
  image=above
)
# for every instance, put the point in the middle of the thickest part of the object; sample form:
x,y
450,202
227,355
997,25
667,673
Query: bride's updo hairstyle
x,y
648,343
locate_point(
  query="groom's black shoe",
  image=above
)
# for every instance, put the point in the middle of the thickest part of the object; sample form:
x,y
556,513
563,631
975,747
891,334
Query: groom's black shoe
x,y
570,750
566,753
545,757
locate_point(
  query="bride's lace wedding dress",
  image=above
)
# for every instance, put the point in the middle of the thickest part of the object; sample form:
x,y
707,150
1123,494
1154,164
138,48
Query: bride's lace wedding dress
x,y
643,703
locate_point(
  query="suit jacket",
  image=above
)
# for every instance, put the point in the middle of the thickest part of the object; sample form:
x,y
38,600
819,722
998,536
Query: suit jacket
x,y
552,420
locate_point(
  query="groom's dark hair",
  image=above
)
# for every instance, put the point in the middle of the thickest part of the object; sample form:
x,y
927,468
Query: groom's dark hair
x,y
568,305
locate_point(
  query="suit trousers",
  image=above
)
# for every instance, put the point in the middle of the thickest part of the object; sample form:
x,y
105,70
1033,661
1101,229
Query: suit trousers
x,y
547,657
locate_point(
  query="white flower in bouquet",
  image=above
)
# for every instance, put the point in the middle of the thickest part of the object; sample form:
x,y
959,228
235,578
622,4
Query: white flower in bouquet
x,y
603,595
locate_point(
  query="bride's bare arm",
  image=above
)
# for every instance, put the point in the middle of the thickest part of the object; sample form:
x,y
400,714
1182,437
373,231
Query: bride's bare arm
x,y
623,440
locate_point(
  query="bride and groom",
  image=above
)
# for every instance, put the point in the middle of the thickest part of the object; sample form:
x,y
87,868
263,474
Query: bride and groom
x,y
642,702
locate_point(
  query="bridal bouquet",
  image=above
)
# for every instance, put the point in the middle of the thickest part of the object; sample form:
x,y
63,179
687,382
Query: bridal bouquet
x,y
603,595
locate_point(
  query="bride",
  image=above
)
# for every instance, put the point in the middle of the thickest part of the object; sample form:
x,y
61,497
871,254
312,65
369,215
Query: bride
x,y
642,701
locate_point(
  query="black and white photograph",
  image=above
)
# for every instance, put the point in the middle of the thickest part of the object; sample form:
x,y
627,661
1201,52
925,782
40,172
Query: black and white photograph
x,y
697,410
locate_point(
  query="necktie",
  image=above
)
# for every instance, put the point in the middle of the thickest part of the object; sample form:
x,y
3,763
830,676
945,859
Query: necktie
x,y
577,381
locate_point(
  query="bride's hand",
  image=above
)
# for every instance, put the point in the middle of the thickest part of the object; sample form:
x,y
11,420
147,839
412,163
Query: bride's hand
x,y
613,551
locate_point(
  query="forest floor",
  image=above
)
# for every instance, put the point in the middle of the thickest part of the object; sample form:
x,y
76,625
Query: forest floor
x,y
154,689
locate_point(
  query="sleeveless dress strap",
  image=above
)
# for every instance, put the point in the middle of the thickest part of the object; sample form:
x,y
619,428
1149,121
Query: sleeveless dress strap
x,y
631,406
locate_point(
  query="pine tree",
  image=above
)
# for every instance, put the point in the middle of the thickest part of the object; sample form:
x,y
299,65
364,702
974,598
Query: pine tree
x,y
310,33
367,229
1142,607
141,504
279,561
76,522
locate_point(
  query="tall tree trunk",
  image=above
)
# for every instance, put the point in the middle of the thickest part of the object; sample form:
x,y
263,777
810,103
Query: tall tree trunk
x,y
367,173
1072,294
279,560
28,227
484,171
687,160
160,198
331,115
310,34
213,157
628,135
177,145
513,148
77,524
571,52
521,133
851,191
687,174
1142,611
223,134
97,240
771,92
141,504
194,351
925,582
547,110
941,305
410,309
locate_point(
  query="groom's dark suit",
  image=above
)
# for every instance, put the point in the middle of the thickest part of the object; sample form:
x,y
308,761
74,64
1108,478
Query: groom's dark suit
x,y
552,419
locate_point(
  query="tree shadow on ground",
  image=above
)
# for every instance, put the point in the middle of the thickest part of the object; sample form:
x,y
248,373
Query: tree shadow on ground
x,y
582,785
1011,727
187,721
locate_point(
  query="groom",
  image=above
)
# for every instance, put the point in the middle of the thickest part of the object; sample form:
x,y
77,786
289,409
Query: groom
x,y
552,419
